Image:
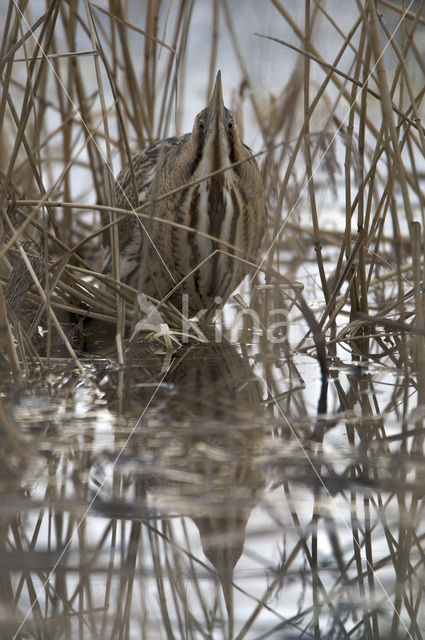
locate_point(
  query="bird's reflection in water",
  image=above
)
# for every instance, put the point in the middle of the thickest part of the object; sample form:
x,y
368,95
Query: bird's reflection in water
x,y
218,390
206,440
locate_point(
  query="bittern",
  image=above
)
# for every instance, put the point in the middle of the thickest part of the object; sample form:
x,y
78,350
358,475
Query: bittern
x,y
228,207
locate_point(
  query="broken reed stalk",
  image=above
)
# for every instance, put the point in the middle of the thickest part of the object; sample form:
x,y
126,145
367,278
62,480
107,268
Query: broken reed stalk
x,y
307,155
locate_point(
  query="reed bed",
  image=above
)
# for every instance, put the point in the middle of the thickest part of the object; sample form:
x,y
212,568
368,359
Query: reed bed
x,y
341,147
70,114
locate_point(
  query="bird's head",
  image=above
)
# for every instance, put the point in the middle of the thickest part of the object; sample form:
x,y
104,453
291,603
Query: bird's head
x,y
215,135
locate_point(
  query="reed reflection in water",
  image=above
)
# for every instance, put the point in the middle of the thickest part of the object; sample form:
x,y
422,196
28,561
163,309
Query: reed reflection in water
x,y
194,451
304,526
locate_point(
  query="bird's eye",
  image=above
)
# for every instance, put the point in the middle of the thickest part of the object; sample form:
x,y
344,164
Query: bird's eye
x,y
201,125
230,125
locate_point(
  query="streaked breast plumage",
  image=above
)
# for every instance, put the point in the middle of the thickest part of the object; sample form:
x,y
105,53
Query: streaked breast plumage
x,y
228,205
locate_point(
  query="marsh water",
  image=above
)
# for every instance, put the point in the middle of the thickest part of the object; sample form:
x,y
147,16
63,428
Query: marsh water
x,y
200,494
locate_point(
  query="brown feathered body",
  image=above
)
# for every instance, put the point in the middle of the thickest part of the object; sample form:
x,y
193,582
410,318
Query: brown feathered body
x,y
229,206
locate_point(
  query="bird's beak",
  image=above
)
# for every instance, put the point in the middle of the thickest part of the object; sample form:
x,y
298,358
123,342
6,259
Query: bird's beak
x,y
227,587
216,106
